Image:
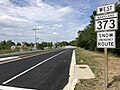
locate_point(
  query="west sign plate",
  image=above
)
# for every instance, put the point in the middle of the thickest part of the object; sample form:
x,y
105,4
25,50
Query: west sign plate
x,y
106,39
106,22
106,9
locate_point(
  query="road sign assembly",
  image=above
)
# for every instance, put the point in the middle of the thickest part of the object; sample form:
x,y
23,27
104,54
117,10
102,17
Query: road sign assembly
x,y
105,22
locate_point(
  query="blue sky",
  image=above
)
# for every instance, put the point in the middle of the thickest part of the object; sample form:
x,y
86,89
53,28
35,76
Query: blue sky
x,y
57,20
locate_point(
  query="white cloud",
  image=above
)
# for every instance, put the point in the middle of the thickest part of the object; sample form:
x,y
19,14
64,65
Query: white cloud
x,y
80,4
13,21
39,11
58,25
56,22
65,10
4,2
82,27
10,32
55,33
10,18
40,27
27,16
103,2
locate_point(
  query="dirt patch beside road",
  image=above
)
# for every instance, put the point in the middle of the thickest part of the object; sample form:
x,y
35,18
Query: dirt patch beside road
x,y
96,62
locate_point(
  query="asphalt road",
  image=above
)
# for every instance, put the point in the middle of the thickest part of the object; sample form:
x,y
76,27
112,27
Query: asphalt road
x,y
48,71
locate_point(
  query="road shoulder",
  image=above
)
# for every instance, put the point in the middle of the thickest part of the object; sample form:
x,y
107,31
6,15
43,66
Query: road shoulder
x,y
77,72
72,81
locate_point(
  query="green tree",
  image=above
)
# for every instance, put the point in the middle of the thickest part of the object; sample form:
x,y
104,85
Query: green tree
x,y
8,44
73,43
40,46
117,49
87,37
18,44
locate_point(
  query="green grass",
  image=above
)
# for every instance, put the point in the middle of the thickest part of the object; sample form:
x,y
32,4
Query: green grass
x,y
83,58
96,62
5,51
8,51
86,57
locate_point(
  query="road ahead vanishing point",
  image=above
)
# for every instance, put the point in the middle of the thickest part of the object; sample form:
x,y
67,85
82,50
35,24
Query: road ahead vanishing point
x,y
48,71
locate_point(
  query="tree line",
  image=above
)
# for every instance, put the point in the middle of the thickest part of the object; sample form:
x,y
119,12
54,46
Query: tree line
x,y
6,45
87,38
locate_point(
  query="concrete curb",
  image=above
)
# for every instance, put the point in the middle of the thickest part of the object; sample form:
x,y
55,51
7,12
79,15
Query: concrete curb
x,y
72,81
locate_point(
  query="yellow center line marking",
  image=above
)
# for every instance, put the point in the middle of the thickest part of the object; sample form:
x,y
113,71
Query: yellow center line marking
x,y
29,56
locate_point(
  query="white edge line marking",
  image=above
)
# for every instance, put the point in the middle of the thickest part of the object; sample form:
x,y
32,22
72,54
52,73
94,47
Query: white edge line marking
x,y
7,58
32,68
13,88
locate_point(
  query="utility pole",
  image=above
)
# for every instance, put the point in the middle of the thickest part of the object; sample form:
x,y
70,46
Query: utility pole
x,y
35,37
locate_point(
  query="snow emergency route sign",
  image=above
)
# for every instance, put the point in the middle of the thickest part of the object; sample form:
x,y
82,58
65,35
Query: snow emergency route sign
x,y
106,39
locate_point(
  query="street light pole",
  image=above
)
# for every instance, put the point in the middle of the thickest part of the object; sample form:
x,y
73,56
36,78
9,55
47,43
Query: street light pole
x,y
35,37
